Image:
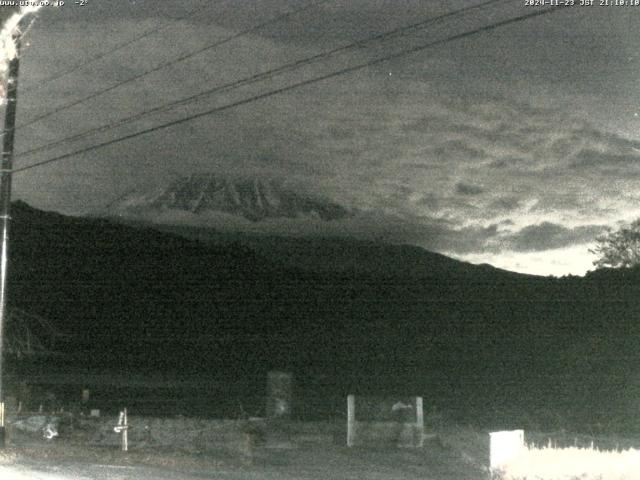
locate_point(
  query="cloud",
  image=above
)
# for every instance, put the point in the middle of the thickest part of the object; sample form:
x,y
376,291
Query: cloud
x,y
573,260
589,158
506,204
468,189
548,236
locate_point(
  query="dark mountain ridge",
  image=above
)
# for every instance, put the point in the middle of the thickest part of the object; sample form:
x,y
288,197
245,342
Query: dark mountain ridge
x,y
332,254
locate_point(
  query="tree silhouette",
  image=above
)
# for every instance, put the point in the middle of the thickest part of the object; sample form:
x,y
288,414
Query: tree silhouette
x,y
618,248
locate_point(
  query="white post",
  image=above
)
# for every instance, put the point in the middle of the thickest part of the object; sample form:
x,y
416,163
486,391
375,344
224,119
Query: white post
x,y
125,436
122,428
351,419
504,446
420,421
3,437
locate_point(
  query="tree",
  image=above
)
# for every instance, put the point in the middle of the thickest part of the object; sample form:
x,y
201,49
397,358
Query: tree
x,y
618,248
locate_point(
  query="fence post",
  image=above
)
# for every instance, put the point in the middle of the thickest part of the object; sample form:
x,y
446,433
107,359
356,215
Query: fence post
x,y
2,427
420,421
351,420
125,433
279,395
122,428
279,403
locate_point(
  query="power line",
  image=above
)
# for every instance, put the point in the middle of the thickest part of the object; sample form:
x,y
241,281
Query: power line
x,y
120,46
167,64
265,74
303,83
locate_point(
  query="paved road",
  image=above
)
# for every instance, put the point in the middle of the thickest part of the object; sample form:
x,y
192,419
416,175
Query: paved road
x,y
111,472
357,471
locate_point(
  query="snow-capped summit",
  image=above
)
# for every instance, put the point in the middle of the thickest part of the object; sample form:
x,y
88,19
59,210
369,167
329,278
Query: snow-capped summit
x,y
250,197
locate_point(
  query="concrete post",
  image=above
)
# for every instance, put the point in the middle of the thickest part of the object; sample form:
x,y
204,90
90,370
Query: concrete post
x,y
279,403
351,420
419,422
279,395
504,446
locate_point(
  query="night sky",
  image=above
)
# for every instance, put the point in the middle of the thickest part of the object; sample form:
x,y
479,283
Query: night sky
x,y
514,147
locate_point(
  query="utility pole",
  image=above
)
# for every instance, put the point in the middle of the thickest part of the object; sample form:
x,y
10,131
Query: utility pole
x,y
6,167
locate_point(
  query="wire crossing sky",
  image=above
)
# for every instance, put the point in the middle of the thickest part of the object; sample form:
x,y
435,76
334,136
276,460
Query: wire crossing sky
x,y
258,77
154,69
287,88
488,131
69,70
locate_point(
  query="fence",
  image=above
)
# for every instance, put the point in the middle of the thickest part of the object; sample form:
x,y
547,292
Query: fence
x,y
391,420
484,403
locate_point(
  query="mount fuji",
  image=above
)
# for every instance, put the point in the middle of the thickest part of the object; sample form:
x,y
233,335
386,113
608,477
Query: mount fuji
x,y
251,197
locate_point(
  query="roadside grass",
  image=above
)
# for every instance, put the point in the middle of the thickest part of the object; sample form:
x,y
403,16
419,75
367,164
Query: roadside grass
x,y
7,457
572,463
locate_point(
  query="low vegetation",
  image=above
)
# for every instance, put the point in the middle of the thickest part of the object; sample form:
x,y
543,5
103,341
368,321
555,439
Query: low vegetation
x,y
570,463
